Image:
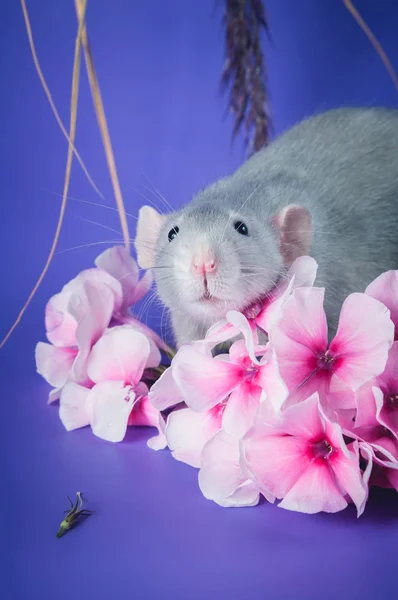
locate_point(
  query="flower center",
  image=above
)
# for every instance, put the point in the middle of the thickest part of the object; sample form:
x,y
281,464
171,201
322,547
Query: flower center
x,y
253,310
128,393
322,449
138,391
250,368
391,400
325,361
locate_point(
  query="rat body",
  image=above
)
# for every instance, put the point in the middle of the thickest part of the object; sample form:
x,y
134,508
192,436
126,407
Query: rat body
x,y
327,188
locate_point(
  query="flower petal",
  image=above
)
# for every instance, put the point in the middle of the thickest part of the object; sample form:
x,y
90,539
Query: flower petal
x,y
60,324
164,392
188,431
302,273
203,381
109,405
117,262
275,462
128,319
144,414
364,336
241,408
142,287
387,412
348,476
221,478
385,289
340,396
303,420
221,332
269,379
315,491
72,406
54,364
54,395
240,323
366,407
120,355
93,311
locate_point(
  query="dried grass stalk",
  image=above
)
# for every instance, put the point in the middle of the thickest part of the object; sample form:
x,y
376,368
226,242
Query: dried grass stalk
x,y
373,40
50,98
101,118
71,138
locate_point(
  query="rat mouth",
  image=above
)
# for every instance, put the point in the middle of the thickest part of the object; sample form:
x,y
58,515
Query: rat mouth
x,y
207,298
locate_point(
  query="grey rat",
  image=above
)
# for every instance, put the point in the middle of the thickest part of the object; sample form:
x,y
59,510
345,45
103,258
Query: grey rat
x,y
327,188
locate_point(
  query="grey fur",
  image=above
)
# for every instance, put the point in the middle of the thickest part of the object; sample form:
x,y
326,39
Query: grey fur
x,y
342,166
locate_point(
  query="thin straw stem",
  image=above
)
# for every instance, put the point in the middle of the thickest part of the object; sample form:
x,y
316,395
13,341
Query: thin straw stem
x,y
100,112
373,40
50,98
72,133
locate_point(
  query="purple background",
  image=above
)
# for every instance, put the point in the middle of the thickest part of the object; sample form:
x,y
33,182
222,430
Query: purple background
x,y
154,535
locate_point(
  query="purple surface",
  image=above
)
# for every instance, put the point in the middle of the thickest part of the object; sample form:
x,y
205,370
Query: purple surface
x,y
154,535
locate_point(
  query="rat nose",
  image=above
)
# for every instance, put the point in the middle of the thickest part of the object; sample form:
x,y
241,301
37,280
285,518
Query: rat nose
x,y
204,263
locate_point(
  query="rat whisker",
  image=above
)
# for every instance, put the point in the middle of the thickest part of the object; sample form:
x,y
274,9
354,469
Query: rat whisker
x,y
90,244
159,210
143,314
156,267
164,204
93,203
98,224
168,205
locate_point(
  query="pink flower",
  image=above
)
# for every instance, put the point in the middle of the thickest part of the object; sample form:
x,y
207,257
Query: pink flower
x,y
385,289
189,429
76,317
301,457
75,320
358,353
118,397
266,313
238,379
221,478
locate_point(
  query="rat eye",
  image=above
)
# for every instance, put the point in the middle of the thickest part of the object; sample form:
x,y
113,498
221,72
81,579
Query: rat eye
x,y
173,232
241,228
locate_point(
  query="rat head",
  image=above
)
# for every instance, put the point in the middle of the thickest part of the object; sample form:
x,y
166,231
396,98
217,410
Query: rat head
x,y
208,259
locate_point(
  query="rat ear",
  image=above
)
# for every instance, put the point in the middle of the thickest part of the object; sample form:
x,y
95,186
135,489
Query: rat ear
x,y
294,224
148,228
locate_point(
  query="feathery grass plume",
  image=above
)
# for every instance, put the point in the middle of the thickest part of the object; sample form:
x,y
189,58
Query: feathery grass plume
x,y
244,71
